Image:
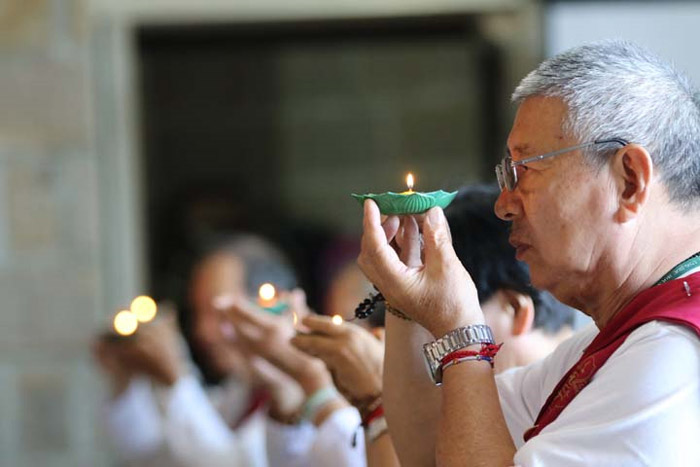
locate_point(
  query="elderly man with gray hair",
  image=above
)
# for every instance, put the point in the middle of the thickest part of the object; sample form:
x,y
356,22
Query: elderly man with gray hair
x,y
601,182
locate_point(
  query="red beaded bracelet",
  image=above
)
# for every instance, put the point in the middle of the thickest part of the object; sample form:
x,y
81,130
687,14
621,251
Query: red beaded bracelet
x,y
487,352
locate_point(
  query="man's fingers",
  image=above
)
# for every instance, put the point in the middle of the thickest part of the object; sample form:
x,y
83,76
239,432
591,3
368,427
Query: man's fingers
x,y
437,238
377,260
323,325
390,227
409,242
322,347
243,312
249,333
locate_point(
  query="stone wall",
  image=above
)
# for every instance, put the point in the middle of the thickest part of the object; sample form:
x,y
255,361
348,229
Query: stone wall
x,y
49,243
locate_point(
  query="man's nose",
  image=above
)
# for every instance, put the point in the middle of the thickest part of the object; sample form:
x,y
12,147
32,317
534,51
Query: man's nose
x,y
506,207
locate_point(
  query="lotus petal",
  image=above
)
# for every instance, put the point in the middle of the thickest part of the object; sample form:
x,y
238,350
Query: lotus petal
x,y
391,203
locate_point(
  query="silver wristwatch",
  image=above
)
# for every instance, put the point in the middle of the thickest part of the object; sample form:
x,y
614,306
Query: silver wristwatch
x,y
457,339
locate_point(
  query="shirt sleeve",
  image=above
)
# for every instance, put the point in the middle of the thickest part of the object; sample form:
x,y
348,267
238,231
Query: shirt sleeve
x,y
641,408
524,390
339,441
289,445
193,429
133,422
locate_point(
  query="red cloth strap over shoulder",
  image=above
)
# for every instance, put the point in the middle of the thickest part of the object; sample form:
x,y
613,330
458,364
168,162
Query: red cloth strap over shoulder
x,y
676,301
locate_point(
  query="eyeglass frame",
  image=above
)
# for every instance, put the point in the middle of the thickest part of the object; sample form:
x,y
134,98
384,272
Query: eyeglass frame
x,y
502,178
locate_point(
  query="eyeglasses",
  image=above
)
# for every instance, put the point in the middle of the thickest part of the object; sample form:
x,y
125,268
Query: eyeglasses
x,y
506,172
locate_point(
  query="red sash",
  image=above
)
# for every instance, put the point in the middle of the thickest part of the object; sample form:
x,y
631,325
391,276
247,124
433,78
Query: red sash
x,y
677,301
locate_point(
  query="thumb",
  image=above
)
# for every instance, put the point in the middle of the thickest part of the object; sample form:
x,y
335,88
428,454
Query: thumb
x,y
437,241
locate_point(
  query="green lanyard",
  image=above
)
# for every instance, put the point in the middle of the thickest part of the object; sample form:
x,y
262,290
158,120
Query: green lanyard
x,y
680,269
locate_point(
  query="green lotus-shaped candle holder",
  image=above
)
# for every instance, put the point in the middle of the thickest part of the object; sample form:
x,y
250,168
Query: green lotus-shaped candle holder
x,y
276,309
410,202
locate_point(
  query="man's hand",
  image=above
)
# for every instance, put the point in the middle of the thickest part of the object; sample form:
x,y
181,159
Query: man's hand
x,y
353,355
427,283
105,352
269,337
286,396
154,351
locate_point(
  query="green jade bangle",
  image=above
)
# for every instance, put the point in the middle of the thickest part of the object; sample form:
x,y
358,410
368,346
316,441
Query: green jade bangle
x,y
408,202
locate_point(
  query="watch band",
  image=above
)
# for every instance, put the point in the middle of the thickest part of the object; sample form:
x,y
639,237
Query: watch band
x,y
456,339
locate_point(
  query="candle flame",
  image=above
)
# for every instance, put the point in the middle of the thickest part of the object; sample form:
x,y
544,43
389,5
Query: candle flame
x,y
295,318
337,320
144,308
267,292
409,181
125,323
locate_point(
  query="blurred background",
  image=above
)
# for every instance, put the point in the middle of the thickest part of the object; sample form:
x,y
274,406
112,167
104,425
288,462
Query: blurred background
x,y
129,130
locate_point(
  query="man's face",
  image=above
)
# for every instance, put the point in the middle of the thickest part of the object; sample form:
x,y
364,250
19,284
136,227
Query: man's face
x,y
561,207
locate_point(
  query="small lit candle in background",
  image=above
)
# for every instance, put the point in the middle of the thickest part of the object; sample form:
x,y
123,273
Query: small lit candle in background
x,y
267,295
125,323
295,319
337,320
144,308
267,299
409,184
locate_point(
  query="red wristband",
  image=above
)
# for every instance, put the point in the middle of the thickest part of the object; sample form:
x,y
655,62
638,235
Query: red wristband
x,y
487,350
373,415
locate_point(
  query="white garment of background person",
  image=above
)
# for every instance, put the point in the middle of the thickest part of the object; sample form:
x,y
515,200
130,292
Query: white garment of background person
x,y
338,442
186,425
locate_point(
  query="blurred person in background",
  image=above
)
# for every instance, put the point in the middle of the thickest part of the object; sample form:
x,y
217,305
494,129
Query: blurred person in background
x,y
160,412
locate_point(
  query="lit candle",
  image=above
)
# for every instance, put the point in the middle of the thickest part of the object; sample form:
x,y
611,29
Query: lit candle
x,y
267,299
144,308
267,295
409,183
337,320
125,323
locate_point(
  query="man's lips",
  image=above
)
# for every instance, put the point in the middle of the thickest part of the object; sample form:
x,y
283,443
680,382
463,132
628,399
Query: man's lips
x,y
520,247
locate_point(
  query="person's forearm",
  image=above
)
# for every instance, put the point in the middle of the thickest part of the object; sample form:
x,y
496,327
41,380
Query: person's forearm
x,y
471,424
380,452
411,400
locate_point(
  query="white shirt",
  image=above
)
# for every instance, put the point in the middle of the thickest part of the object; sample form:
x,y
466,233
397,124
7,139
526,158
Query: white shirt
x,y
641,408
180,426
331,444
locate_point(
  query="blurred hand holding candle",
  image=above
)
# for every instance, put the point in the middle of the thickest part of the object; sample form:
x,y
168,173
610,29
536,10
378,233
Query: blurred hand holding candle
x,y
409,201
143,309
125,323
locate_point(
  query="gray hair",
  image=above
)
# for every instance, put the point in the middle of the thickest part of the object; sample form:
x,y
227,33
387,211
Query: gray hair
x,y
616,89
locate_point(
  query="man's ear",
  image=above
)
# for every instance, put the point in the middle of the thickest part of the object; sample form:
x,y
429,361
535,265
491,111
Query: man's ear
x,y
633,170
523,311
